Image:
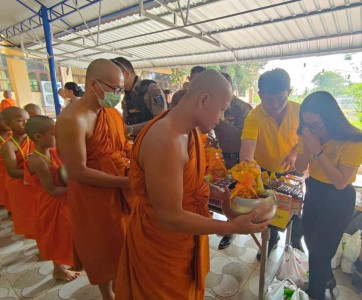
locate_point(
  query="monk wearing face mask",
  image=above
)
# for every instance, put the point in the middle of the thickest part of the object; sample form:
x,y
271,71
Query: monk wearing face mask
x,y
92,144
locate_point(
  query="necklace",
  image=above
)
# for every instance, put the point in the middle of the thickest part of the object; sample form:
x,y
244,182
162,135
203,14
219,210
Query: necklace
x,y
45,157
18,146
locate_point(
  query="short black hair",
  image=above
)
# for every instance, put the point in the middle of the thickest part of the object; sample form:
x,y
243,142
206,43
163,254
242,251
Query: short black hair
x,y
37,124
227,77
167,92
197,69
274,82
123,64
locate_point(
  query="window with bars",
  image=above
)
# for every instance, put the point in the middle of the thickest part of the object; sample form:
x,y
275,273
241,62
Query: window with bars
x,y
34,86
5,83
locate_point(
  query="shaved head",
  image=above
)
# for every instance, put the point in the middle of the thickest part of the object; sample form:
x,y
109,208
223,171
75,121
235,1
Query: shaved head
x,y
102,69
7,94
32,109
211,82
10,113
38,124
3,127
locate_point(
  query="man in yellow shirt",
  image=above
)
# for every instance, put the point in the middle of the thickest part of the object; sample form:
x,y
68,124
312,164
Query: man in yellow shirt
x,y
270,135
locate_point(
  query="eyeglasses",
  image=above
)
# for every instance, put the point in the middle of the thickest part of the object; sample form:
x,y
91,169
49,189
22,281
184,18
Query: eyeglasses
x,y
313,127
116,91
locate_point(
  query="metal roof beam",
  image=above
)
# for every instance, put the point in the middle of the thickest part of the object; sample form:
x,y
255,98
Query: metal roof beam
x,y
193,24
263,46
185,20
253,25
56,12
179,28
103,50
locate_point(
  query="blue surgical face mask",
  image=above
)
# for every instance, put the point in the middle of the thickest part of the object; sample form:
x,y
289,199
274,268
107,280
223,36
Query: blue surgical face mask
x,y
110,99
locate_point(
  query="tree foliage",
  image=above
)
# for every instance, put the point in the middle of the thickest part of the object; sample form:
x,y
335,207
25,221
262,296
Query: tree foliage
x,y
178,75
331,82
244,75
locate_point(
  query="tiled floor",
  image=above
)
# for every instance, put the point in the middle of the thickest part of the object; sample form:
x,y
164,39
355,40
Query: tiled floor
x,y
233,275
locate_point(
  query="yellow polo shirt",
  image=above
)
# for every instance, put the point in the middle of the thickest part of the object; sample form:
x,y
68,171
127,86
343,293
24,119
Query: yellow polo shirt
x,y
339,153
273,142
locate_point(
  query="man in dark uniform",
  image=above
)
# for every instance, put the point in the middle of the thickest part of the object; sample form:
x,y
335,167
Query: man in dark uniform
x,y
195,71
228,133
143,99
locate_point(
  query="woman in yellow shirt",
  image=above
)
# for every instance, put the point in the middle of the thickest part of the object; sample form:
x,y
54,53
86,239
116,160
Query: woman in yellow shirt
x,y
332,148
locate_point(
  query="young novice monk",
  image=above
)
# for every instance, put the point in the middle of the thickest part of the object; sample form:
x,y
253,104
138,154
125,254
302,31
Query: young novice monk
x,y
52,214
32,109
14,152
5,135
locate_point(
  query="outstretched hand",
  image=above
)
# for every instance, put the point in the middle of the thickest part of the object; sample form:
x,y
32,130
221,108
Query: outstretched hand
x,y
244,223
288,162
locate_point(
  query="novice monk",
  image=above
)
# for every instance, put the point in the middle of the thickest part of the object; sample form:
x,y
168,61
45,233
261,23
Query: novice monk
x,y
166,255
14,152
32,109
92,144
5,135
52,214
7,101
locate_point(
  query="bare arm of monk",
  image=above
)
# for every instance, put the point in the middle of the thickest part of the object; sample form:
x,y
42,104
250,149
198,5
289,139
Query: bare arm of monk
x,y
247,150
40,167
8,152
164,183
71,135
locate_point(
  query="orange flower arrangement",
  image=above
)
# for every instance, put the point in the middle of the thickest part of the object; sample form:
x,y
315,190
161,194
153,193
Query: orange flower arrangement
x,y
248,177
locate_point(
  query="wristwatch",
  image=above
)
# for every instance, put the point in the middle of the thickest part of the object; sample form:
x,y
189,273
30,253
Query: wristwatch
x,y
316,156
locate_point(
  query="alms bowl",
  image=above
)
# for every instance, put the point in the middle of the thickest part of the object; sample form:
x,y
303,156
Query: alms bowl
x,y
237,206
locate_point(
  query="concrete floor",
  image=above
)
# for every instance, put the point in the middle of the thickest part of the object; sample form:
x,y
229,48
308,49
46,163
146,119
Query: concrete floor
x,y
233,275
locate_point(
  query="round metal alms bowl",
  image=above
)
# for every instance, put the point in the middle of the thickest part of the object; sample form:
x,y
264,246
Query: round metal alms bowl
x,y
267,203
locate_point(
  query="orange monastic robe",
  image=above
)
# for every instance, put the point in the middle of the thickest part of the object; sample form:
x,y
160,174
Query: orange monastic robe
x,y
3,192
100,215
157,264
52,216
21,197
5,103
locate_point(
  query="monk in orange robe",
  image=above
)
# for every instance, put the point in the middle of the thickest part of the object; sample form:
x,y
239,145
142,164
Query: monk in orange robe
x,y
54,233
166,255
7,101
14,152
5,135
92,144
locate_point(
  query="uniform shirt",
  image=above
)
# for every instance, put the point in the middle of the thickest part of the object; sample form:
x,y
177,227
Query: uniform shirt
x,y
273,142
227,136
154,98
339,153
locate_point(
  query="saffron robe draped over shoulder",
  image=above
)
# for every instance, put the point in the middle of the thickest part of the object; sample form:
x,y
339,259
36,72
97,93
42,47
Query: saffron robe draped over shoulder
x,y
5,103
3,191
100,215
158,264
21,196
54,233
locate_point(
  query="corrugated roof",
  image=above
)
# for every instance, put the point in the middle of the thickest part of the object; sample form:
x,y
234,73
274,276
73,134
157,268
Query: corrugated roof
x,y
221,31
